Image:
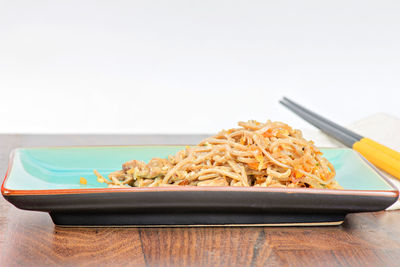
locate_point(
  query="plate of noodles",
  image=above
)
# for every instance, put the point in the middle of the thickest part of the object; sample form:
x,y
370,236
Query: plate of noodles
x,y
254,174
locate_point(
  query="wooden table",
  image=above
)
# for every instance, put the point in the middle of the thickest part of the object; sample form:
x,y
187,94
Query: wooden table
x,y
30,238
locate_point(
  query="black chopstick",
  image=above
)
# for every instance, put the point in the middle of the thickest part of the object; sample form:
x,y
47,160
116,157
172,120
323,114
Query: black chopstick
x,y
378,154
347,131
323,124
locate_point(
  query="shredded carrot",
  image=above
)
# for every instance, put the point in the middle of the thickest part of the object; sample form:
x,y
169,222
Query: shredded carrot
x,y
253,165
314,169
259,181
184,182
83,180
242,140
268,133
298,174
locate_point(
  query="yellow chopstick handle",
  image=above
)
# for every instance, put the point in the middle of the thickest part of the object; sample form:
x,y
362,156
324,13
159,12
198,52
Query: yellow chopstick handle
x,y
379,155
382,148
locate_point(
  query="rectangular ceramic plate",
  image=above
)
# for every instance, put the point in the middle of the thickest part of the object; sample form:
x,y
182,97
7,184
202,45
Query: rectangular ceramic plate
x,y
47,179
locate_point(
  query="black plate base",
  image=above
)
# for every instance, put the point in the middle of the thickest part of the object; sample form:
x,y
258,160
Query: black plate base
x,y
174,219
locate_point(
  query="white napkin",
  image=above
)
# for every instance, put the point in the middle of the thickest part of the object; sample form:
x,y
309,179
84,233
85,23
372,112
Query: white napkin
x,y
380,127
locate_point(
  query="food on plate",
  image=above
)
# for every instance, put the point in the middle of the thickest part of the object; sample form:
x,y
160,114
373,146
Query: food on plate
x,y
270,154
82,180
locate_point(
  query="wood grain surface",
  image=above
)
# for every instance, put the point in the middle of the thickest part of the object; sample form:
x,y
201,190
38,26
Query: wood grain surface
x,y
30,238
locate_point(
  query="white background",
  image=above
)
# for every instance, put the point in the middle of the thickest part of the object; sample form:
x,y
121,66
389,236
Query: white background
x,y
193,66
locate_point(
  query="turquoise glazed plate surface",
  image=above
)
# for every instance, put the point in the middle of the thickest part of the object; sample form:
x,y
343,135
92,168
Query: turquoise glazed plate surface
x,y
47,179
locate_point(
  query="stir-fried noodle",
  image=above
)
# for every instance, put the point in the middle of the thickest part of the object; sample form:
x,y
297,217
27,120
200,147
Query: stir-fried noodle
x,y
270,154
